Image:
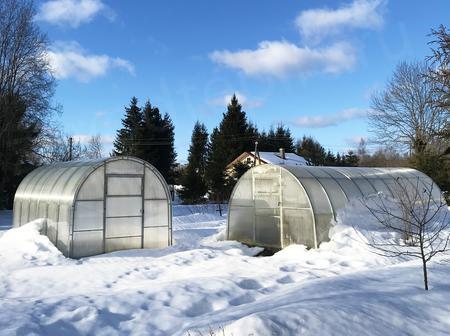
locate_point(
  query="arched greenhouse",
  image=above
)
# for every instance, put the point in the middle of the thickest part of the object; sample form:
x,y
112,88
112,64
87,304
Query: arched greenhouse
x,y
274,206
97,206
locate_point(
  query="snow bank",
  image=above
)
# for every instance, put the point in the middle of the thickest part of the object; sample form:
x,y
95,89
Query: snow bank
x,y
26,247
202,283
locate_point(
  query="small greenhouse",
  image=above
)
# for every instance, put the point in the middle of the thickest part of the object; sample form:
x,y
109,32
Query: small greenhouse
x,y
274,206
97,206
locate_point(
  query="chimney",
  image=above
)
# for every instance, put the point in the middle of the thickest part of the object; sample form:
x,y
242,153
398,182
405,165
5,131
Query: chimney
x,y
282,154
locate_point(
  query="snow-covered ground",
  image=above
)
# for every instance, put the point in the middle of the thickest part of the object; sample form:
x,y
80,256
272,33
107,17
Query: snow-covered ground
x,y
203,283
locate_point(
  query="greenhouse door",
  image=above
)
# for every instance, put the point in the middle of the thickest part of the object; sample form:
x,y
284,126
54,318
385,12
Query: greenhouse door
x,y
267,209
123,220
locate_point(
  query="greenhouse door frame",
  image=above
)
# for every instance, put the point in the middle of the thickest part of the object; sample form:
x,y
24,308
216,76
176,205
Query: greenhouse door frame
x,y
277,219
139,213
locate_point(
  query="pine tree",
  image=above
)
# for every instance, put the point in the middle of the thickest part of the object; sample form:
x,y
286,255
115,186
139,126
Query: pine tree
x,y
232,138
193,178
128,138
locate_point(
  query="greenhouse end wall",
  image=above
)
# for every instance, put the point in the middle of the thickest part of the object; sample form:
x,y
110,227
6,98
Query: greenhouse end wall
x,y
98,206
277,205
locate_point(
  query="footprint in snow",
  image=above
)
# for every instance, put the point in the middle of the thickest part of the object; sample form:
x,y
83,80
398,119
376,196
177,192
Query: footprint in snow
x,y
249,284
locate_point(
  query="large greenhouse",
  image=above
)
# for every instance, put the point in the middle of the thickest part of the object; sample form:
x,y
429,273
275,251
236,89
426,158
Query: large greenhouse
x,y
97,206
274,206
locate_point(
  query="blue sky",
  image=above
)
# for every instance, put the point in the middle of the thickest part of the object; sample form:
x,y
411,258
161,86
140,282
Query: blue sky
x,y
312,65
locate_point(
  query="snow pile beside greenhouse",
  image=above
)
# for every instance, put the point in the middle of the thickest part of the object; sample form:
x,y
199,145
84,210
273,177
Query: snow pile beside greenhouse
x,y
201,283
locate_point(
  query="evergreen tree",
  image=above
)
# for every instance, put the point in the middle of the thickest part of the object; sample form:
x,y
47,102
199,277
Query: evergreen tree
x,y
330,159
234,136
128,138
158,141
311,150
351,159
193,178
275,139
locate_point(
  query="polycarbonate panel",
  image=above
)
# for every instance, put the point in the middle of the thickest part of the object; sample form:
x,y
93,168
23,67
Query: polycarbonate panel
x,y
334,192
73,179
123,206
123,227
24,211
116,244
156,237
93,188
243,193
317,196
267,229
292,193
87,243
32,212
241,224
88,215
298,227
42,210
350,189
124,167
119,185
154,186
52,222
156,213
63,230
17,208
363,185
267,191
323,224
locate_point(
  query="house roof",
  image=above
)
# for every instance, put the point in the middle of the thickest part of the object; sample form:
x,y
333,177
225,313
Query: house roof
x,y
291,159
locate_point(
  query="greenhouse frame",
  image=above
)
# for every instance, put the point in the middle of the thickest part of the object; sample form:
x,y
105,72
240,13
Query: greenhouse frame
x,y
97,206
274,206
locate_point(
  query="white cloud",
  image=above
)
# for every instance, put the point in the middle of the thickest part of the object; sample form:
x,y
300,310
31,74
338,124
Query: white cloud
x,y
243,100
331,119
72,12
279,58
317,23
70,60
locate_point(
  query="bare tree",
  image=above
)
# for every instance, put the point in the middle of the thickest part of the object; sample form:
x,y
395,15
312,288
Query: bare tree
x,y
403,114
26,88
94,148
439,66
418,215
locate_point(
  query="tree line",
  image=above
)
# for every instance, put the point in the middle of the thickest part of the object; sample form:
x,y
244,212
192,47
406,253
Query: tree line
x,y
409,121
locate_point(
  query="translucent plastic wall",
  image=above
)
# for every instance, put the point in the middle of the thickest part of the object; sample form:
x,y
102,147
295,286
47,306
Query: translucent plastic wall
x,y
97,206
275,206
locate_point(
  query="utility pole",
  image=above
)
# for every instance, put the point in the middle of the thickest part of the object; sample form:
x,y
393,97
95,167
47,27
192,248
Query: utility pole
x,y
256,153
70,148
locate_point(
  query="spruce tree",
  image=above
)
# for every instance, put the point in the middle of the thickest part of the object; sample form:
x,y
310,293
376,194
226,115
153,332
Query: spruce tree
x,y
193,178
351,159
128,138
232,138
158,141
312,151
